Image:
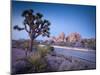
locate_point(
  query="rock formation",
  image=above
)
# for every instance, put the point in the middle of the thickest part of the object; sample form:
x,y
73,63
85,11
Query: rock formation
x,y
73,37
59,38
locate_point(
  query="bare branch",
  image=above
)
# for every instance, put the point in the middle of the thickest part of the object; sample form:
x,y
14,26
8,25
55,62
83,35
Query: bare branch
x,y
26,28
16,27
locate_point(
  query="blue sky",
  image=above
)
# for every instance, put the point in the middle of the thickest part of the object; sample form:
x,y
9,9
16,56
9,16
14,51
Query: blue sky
x,y
65,18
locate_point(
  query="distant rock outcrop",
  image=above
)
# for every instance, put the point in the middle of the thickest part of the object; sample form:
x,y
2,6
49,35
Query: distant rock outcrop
x,y
59,38
73,37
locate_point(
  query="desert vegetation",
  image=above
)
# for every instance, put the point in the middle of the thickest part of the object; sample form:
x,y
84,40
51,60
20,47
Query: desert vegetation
x,y
45,59
33,56
34,25
34,62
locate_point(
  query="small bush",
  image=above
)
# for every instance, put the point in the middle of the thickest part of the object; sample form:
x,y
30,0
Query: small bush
x,y
39,65
43,50
25,45
34,58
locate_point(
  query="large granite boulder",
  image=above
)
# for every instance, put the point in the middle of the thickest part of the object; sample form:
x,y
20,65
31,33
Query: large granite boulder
x,y
73,37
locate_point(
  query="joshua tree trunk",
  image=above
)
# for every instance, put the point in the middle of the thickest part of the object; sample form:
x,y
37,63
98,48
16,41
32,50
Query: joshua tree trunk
x,y
32,40
31,44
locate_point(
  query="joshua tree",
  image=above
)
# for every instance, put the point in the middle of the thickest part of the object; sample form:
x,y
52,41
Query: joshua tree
x,y
34,25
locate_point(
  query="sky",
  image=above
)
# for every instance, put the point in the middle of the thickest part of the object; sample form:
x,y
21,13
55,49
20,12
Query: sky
x,y
65,18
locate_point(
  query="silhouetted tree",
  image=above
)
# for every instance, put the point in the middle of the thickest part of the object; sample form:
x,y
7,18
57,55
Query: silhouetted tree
x,y
34,25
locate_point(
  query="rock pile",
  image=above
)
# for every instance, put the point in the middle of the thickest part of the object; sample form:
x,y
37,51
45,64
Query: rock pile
x,y
73,37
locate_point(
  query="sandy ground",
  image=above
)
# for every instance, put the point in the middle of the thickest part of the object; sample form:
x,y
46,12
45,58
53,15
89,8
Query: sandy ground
x,y
58,61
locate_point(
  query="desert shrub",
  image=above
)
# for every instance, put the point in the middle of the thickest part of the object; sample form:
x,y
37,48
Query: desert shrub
x,y
43,50
15,44
21,67
50,48
32,63
89,43
37,62
34,58
37,58
26,44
